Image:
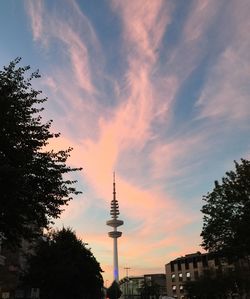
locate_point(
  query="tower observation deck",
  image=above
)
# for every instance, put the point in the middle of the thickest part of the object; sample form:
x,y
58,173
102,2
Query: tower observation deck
x,y
115,222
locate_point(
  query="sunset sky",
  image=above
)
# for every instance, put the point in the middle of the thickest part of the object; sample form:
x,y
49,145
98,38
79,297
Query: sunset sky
x,y
157,91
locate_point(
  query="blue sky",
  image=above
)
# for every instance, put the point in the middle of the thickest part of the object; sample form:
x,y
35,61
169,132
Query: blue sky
x,y
157,91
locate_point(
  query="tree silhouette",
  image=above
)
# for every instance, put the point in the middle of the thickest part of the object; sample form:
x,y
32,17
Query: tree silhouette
x,y
222,284
226,226
150,289
62,268
226,230
114,292
32,182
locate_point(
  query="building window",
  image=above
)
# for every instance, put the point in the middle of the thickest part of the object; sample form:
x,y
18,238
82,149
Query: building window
x,y
181,288
141,283
148,280
173,277
194,262
179,265
172,266
204,261
196,274
186,264
174,289
180,277
188,275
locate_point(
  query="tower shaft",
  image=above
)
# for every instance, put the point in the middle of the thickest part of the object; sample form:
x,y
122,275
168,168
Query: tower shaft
x,y
115,261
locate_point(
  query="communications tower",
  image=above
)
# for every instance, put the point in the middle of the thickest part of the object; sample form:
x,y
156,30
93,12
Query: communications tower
x,y
115,222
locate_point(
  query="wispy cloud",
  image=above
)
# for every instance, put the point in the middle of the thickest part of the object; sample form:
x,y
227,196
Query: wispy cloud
x,y
193,42
35,10
226,93
202,14
180,155
144,25
79,55
55,26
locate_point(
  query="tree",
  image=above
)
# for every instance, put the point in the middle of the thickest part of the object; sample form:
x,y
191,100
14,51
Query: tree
x,y
150,289
221,284
62,268
210,286
32,182
226,226
114,292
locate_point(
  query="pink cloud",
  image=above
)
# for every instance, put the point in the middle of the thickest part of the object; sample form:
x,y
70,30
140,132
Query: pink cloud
x,y
178,151
231,71
136,204
78,54
202,14
144,25
64,92
192,44
73,210
142,255
150,204
50,82
35,10
225,94
57,26
133,119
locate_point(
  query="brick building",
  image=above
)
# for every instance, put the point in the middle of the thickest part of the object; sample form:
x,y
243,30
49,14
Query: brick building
x,y
190,267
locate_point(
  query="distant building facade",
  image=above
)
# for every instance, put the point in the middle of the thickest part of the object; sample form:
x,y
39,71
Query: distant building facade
x,y
132,287
9,273
159,280
2,258
190,267
14,263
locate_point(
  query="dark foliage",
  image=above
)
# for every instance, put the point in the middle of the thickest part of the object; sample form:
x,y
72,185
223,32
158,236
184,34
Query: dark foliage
x,y
62,268
32,183
226,226
114,292
150,289
222,284
207,286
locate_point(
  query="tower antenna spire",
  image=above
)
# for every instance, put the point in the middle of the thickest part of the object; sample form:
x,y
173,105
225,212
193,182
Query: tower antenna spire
x,y
114,192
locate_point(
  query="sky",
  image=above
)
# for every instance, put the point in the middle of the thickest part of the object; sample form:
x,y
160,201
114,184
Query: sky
x,y
157,91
